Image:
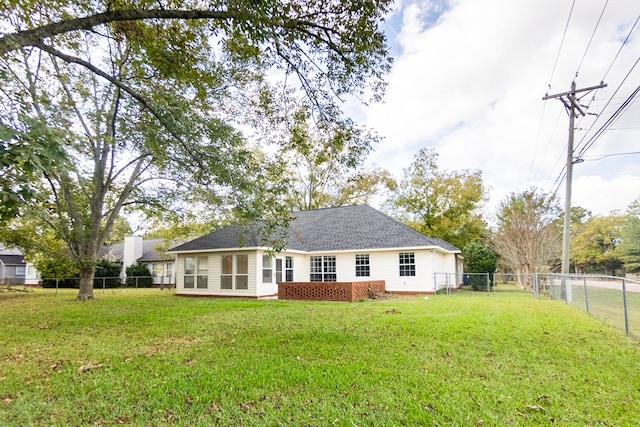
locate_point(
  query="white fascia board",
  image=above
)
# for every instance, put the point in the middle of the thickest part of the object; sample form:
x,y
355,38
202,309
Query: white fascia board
x,y
200,251
295,251
395,249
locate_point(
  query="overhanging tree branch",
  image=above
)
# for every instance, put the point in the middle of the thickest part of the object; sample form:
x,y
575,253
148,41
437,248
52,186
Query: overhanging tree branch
x,y
33,37
74,60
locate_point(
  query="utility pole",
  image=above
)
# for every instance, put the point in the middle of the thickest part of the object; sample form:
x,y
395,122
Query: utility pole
x,y
571,104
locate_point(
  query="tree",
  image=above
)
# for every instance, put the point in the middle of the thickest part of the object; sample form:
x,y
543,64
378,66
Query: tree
x,y
324,164
629,248
139,106
594,245
528,236
479,258
442,204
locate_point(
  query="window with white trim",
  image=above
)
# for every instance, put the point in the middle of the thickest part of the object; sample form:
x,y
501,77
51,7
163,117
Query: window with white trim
x,y
288,269
235,272
267,269
196,272
323,268
407,262
20,269
362,265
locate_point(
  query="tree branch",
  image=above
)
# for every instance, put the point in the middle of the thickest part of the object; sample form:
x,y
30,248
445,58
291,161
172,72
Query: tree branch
x,y
74,60
34,37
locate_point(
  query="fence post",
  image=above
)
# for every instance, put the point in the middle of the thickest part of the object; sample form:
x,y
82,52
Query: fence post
x,y
57,285
586,297
104,284
551,291
536,285
626,313
488,284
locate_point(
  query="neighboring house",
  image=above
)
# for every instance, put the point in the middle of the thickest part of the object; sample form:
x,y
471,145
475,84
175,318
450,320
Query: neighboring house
x,y
14,270
343,244
136,250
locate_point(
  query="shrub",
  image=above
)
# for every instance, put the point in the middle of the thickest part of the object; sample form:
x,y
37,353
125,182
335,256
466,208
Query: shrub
x,y
479,258
107,274
139,273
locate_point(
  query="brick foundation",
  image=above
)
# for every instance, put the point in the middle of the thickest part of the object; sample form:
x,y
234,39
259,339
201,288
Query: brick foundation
x,y
329,291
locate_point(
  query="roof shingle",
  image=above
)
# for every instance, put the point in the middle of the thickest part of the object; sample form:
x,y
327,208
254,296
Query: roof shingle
x,y
342,228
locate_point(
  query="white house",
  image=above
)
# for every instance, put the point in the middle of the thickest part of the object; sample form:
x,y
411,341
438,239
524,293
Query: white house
x,y
14,270
343,244
148,252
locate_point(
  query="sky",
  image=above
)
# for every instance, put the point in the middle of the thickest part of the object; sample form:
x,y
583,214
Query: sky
x,y
468,81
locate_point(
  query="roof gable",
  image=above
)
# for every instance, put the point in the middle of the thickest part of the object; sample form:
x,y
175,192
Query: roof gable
x,y
332,229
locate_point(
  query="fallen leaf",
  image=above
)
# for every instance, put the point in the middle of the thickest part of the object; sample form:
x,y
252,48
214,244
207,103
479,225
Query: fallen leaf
x,y
88,367
246,405
535,407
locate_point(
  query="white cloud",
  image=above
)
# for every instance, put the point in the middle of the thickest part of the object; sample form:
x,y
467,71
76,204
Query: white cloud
x,y
469,81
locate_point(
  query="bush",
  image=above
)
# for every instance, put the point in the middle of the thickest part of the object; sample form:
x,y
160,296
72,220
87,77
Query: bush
x,y
139,273
107,274
478,258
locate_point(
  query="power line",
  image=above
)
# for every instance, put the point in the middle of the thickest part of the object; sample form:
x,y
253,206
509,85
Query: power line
x,y
533,174
621,46
592,140
607,155
564,34
609,122
591,39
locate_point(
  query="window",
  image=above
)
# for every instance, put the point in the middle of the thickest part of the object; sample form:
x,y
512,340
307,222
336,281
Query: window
x,y
323,268
20,270
226,276
242,271
288,269
196,271
316,269
189,271
235,272
203,272
407,264
156,269
362,265
168,268
267,269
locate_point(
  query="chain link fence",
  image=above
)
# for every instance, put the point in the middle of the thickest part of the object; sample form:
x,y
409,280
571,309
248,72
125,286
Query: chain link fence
x,y
447,283
105,282
614,300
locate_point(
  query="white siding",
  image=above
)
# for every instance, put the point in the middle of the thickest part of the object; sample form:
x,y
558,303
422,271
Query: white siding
x,y
432,267
385,265
214,269
266,289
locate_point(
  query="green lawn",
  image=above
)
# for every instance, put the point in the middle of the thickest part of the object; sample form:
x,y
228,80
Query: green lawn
x,y
146,357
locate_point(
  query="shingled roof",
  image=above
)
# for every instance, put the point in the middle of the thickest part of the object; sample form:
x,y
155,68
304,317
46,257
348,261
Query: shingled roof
x,y
332,229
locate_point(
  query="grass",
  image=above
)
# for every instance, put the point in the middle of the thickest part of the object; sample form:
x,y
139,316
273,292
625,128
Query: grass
x,y
146,357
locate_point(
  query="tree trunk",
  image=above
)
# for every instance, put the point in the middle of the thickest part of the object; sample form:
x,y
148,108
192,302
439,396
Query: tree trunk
x,y
87,272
